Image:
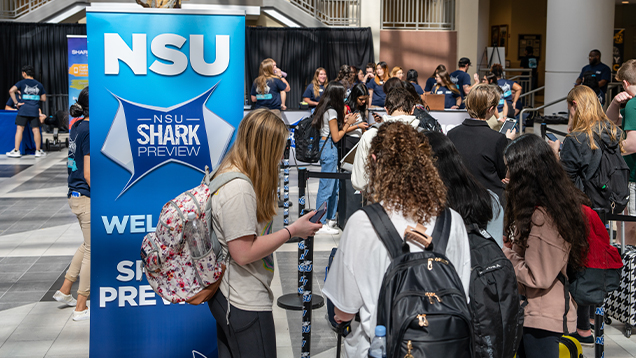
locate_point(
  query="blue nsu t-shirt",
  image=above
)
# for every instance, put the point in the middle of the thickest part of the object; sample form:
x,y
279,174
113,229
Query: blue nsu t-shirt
x,y
270,98
506,87
78,147
31,92
450,98
309,92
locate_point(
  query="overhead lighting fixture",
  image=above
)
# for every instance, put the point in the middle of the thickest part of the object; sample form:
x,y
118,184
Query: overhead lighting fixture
x,y
626,2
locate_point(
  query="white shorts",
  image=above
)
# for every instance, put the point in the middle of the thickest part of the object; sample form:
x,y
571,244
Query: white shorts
x,y
631,205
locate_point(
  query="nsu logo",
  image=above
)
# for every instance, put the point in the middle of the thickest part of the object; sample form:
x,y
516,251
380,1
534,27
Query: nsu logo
x,y
115,49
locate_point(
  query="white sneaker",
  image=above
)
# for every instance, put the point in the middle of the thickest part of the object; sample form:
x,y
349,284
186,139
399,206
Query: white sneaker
x,y
82,315
40,153
332,223
14,154
326,230
66,299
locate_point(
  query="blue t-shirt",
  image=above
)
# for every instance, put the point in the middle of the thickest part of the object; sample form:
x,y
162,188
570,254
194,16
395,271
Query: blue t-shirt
x,y
430,83
418,88
31,91
378,93
602,71
271,98
460,78
451,97
79,146
309,92
11,104
506,87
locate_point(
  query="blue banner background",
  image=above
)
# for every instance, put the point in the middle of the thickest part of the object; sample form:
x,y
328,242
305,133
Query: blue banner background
x,y
139,328
77,55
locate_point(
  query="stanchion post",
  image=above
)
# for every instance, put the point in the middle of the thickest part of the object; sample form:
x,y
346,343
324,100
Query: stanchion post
x,y
307,282
285,192
302,185
599,332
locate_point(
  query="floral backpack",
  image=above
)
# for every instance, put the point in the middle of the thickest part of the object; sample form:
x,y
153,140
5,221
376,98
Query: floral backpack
x,y
171,269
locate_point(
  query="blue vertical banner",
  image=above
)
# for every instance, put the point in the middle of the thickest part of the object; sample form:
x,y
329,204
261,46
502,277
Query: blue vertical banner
x,y
77,66
166,99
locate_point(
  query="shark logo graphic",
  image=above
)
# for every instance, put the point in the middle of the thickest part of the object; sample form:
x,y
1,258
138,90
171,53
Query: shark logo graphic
x,y
187,133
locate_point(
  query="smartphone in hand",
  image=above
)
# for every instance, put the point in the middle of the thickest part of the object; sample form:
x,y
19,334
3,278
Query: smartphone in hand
x,y
319,213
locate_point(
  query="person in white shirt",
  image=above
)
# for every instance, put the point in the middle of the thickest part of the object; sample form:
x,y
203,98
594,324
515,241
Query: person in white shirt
x,y
416,196
399,105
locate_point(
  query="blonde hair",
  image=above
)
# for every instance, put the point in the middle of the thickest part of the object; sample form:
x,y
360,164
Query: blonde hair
x,y
316,82
480,99
627,72
265,72
256,152
395,70
589,117
385,76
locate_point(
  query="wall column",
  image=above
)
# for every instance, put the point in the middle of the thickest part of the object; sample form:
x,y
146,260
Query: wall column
x,y
574,27
471,24
371,16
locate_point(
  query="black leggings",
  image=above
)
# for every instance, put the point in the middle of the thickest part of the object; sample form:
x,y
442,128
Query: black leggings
x,y
249,334
583,314
539,343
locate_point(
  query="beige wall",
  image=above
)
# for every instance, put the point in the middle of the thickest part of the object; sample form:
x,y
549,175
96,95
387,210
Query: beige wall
x,y
419,50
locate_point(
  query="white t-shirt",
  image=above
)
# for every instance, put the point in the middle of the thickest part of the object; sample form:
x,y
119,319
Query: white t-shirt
x,y
234,209
357,271
329,115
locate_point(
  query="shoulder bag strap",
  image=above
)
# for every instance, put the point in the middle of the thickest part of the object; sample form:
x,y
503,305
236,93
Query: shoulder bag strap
x,y
566,294
225,178
595,163
385,229
441,232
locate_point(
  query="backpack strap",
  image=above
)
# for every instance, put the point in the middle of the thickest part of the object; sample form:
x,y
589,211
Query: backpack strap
x,y
384,228
441,232
566,294
225,178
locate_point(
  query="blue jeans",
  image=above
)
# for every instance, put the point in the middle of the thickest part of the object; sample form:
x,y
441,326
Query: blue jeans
x,y
328,188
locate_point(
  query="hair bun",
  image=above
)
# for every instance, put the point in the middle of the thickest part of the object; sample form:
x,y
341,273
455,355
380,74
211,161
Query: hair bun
x,y
76,110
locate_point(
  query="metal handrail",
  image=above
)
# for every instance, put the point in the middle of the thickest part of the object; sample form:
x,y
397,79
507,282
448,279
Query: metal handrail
x,y
533,91
332,12
535,110
12,9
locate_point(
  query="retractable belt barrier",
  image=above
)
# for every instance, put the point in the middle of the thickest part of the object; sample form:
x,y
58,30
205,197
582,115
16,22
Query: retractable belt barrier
x,y
304,300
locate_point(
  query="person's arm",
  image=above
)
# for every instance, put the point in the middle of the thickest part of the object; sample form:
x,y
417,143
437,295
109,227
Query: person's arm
x,y
14,98
337,134
7,108
518,89
342,316
358,174
287,88
504,115
253,98
310,102
458,102
614,109
606,77
247,249
283,98
87,169
43,98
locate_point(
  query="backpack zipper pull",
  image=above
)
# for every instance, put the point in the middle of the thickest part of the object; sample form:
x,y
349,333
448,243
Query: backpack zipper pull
x,y
423,320
430,264
432,295
409,346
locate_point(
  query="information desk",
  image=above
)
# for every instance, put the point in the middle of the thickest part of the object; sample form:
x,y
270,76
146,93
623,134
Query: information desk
x,y
447,119
7,134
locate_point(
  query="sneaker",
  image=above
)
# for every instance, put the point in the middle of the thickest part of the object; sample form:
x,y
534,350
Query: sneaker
x,y
82,315
66,299
14,154
40,153
332,223
585,341
326,230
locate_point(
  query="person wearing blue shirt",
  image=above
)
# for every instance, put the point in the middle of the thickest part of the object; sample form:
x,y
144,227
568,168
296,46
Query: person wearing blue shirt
x,y
430,82
314,90
411,76
269,89
512,90
602,71
32,93
376,92
461,77
453,99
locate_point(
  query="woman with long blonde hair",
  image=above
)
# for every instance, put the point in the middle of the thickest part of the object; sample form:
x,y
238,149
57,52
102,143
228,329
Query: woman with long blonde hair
x,y
314,90
398,72
581,156
444,85
270,88
242,216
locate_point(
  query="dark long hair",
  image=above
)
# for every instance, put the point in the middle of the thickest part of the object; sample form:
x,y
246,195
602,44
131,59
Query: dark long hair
x,y
80,108
464,193
333,97
537,179
411,76
358,90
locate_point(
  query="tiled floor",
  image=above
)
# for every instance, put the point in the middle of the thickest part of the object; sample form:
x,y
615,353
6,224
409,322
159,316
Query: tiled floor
x,y
39,235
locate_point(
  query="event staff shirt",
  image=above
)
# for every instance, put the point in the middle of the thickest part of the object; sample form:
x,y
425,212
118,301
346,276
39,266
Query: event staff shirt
x,y
79,146
31,91
460,78
271,98
418,88
378,93
430,83
451,97
309,92
629,124
602,71
506,87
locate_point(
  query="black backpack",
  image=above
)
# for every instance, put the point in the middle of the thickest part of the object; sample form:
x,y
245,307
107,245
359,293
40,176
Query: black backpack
x,y
427,122
608,187
422,302
494,298
307,140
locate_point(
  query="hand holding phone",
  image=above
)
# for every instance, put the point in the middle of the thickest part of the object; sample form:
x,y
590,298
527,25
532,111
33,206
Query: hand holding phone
x,y
319,213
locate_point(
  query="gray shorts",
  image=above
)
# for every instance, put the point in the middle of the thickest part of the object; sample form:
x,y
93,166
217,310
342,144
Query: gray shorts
x,y
631,205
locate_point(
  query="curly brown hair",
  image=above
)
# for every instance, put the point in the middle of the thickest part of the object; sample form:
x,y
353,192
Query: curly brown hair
x,y
402,175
